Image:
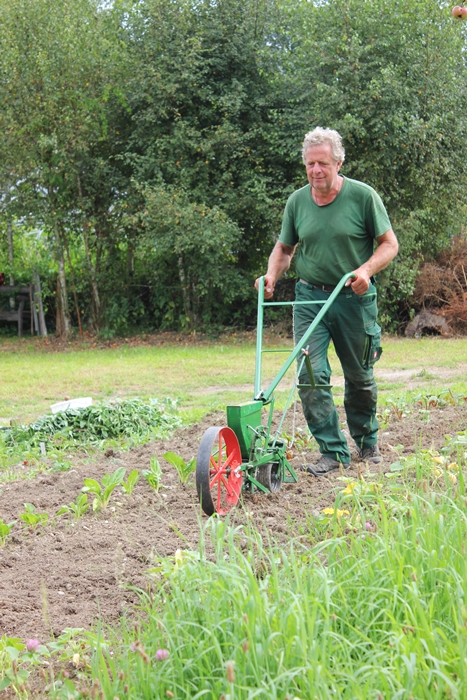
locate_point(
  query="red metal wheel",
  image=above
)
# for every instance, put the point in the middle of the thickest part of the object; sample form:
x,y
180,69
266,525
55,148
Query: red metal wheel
x,y
219,473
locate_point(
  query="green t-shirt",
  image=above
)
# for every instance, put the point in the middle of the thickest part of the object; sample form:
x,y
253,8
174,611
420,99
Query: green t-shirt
x,y
335,238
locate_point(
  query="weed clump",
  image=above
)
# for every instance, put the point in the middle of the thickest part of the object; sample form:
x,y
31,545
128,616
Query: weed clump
x,y
109,420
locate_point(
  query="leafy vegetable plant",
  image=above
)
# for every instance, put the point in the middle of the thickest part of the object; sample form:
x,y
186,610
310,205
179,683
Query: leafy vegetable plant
x,y
103,492
78,508
153,475
31,518
5,529
183,468
131,482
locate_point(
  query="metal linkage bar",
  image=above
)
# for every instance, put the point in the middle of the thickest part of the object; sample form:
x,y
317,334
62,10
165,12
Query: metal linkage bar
x,y
265,395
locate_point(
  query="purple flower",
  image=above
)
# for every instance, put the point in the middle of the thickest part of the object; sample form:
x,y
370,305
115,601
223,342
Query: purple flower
x,y
32,644
368,526
162,655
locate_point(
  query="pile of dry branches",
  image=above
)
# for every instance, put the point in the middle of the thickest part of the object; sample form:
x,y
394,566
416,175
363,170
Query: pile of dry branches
x,y
442,285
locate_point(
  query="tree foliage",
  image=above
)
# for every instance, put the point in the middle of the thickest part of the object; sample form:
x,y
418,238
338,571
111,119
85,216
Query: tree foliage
x,y
199,243
153,143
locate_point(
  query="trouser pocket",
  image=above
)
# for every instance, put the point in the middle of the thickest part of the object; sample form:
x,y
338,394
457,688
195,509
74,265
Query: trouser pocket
x,y
372,348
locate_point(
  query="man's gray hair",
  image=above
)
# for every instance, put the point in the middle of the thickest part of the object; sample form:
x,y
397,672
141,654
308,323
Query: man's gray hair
x,y
319,136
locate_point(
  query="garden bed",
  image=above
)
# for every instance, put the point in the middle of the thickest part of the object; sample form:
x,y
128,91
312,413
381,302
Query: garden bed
x,y
71,573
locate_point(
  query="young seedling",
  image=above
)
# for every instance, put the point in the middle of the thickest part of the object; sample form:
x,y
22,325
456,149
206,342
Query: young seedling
x,y
5,529
31,518
102,493
183,468
131,482
153,475
78,508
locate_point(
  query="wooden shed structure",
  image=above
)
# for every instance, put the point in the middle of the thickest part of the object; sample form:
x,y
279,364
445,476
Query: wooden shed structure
x,y
23,305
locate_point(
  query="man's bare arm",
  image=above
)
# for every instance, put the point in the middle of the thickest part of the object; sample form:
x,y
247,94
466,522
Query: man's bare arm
x,y
384,253
279,262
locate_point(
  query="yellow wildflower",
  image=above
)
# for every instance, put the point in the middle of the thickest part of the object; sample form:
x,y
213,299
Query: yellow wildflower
x,y
331,511
350,487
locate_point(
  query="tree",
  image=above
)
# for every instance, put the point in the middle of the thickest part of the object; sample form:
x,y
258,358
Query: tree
x,y
396,92
203,102
198,242
61,73
107,105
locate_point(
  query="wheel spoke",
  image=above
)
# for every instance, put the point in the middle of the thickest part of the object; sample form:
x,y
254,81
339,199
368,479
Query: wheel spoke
x,y
215,468
226,483
219,495
229,459
216,478
219,470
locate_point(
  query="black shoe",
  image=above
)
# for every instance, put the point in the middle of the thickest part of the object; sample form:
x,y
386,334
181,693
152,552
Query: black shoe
x,y
325,465
370,454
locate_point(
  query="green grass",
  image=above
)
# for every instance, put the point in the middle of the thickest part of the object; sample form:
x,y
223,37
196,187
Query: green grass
x,y
203,377
370,602
33,381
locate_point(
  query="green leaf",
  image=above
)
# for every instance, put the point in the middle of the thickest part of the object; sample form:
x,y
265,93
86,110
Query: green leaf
x,y
174,459
397,466
13,653
92,485
114,479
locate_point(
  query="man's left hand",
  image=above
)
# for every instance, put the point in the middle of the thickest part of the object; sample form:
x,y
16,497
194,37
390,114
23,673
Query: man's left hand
x,y
360,283
386,250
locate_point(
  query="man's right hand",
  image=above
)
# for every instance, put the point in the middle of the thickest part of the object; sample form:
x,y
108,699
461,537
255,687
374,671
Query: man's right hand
x,y
279,262
269,285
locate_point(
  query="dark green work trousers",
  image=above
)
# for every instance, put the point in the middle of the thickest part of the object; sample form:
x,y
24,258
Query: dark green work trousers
x,y
351,324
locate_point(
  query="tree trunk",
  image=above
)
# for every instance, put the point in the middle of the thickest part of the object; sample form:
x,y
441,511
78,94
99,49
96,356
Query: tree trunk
x,y
63,319
11,259
185,292
130,264
73,285
95,300
195,304
58,310
39,313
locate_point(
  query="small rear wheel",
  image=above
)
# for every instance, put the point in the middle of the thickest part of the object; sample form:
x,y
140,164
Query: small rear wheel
x,y
270,476
219,473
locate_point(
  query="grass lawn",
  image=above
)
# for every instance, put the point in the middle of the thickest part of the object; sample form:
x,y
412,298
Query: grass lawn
x,y
203,377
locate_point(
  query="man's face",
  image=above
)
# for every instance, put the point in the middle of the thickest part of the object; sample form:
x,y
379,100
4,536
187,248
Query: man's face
x,y
321,168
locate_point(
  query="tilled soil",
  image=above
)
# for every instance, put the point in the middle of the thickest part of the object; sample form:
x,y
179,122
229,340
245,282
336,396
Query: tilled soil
x,y
72,573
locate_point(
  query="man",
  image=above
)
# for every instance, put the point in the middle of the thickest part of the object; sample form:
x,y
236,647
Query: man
x,y
338,225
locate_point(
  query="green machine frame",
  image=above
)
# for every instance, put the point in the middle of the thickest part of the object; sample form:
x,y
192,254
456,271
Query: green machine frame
x,y
245,454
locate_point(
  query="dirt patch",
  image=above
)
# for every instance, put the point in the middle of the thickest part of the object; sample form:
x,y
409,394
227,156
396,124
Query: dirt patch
x,y
69,574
